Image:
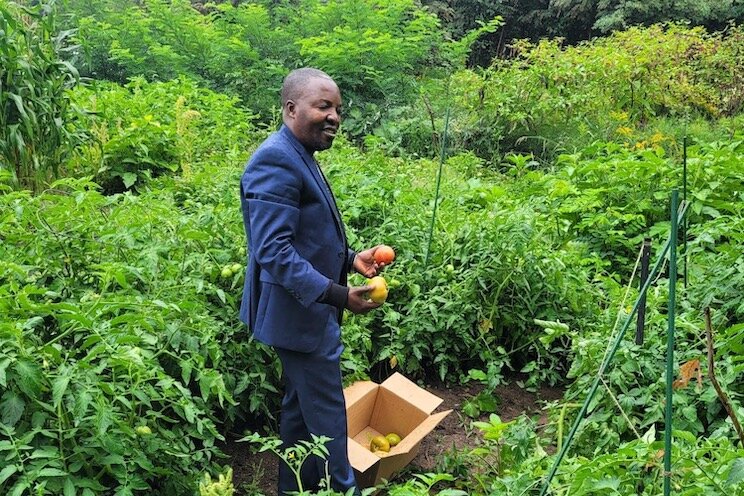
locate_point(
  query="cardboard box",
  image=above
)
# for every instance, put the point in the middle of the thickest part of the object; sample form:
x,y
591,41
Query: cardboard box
x,y
397,405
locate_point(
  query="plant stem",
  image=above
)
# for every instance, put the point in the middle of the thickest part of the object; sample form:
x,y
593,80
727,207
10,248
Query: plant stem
x,y
712,374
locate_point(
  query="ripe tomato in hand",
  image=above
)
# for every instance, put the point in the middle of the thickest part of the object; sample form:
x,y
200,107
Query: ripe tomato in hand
x,y
384,255
379,291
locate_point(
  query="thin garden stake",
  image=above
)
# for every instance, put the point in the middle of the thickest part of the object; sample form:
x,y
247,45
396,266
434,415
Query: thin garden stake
x,y
670,347
641,323
608,358
439,181
684,199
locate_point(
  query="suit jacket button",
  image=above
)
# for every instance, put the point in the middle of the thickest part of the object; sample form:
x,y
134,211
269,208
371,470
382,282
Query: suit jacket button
x,y
340,254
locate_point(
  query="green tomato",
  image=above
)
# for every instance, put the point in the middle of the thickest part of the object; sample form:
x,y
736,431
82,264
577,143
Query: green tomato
x,y
143,430
236,267
226,273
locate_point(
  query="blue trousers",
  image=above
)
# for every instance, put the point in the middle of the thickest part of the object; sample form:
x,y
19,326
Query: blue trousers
x,y
314,403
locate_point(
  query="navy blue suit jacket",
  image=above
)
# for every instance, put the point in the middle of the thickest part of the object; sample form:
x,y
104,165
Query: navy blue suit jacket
x,y
296,246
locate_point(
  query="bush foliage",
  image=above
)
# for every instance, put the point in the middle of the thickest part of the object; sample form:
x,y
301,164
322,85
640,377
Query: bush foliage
x,y
124,366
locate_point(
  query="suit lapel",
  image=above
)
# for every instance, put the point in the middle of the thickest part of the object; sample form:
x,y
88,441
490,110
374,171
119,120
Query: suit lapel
x,y
326,189
320,179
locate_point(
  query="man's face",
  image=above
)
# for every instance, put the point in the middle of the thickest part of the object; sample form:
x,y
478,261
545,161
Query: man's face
x,y
314,116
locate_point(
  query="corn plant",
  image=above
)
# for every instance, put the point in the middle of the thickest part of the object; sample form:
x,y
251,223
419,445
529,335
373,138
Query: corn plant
x,y
34,107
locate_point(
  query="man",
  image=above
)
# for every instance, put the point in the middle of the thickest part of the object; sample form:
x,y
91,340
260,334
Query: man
x,y
295,288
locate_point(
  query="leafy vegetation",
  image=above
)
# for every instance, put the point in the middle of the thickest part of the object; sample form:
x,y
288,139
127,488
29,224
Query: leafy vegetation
x,y
548,99
124,366
144,130
573,21
34,105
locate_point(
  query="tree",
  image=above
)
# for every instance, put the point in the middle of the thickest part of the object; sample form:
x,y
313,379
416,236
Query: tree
x,y
620,14
573,20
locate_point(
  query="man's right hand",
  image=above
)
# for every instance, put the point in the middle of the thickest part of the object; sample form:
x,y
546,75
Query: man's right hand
x,y
358,302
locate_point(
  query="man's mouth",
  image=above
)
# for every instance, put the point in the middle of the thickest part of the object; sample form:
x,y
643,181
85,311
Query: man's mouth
x,y
330,132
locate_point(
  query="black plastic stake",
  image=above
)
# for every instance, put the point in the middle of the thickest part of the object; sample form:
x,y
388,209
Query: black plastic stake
x,y
641,322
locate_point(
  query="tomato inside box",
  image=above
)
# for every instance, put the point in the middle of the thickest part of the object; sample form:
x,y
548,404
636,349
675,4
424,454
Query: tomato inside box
x,y
398,406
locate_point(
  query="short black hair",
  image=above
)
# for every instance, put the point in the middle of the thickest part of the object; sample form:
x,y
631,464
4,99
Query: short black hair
x,y
297,80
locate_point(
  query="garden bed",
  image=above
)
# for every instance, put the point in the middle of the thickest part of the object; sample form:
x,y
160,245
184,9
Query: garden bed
x,y
257,473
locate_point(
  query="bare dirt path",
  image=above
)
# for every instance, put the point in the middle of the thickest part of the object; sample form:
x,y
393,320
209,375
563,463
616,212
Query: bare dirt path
x,y
256,474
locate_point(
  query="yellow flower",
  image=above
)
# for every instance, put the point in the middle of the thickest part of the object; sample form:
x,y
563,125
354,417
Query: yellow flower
x,y
624,130
656,138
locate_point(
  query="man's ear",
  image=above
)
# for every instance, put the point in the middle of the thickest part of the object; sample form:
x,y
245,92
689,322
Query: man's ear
x,y
289,109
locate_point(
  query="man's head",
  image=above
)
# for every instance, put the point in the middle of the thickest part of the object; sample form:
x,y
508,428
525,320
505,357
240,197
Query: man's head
x,y
311,107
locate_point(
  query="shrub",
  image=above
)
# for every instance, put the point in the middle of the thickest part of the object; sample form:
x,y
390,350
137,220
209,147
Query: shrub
x,y
144,130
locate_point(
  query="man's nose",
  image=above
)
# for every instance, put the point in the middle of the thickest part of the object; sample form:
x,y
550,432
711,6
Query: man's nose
x,y
333,116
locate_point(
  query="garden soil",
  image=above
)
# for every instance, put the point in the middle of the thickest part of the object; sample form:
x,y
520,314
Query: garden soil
x,y
256,474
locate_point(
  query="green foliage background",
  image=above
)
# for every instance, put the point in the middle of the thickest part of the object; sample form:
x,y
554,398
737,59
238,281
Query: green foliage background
x,y
124,367
34,78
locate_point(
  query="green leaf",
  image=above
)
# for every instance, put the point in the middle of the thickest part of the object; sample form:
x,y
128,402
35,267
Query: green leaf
x,y
3,366
52,472
50,453
189,412
206,380
29,377
549,324
33,323
11,408
529,367
103,420
19,104
69,487
129,179
487,402
650,435
606,483
113,459
7,472
685,435
59,387
470,408
19,488
477,375
186,371
82,401
736,475
221,296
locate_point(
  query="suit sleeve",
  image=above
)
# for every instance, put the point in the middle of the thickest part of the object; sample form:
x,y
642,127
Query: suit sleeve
x,y
272,185
350,256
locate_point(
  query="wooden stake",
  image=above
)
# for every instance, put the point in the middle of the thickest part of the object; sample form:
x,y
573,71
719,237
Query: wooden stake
x,y
712,374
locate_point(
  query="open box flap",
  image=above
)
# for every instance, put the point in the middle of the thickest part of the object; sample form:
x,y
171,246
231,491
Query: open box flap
x,y
358,390
360,457
360,401
393,413
428,425
409,390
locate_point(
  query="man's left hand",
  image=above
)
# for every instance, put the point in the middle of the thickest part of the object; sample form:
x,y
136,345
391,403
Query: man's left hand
x,y
365,264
